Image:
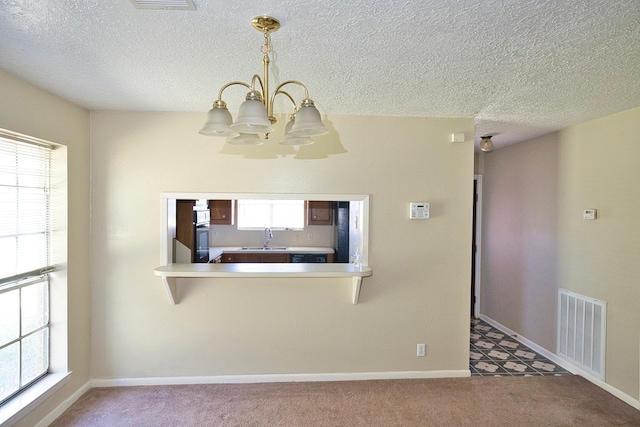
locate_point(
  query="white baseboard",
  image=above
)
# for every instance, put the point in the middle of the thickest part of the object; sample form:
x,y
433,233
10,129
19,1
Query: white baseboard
x,y
566,365
269,378
66,404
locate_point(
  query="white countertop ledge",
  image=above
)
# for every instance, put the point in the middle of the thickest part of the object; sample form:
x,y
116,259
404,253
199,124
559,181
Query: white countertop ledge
x,y
170,272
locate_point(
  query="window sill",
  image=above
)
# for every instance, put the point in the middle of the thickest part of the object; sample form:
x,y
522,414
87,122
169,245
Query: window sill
x,y
16,408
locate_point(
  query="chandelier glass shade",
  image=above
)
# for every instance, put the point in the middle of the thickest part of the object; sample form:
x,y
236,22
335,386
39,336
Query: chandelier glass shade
x,y
255,115
246,139
290,139
306,121
218,123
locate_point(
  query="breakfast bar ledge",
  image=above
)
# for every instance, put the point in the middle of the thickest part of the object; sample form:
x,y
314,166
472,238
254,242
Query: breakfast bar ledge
x,y
170,272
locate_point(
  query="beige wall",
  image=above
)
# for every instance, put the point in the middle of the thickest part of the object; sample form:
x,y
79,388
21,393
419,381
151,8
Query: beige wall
x,y
535,240
419,292
29,110
519,232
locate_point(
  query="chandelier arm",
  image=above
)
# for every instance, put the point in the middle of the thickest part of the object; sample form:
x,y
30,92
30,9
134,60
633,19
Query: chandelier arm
x,y
277,91
232,84
306,91
284,93
254,79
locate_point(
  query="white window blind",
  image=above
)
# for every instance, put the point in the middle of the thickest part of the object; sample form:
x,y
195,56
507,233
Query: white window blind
x,y
24,262
24,207
276,214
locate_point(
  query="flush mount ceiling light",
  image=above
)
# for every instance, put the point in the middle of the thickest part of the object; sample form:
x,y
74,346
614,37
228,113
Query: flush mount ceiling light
x,y
255,115
486,144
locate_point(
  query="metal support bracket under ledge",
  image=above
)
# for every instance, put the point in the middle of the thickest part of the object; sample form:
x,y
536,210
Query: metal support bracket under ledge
x,y
170,273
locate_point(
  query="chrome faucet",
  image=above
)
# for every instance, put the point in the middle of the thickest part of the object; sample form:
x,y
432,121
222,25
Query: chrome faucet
x,y
268,235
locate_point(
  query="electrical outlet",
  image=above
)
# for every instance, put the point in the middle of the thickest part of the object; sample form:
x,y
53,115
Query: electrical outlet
x,y
421,350
310,236
216,233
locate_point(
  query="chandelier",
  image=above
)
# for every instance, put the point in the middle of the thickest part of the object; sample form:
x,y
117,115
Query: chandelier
x,y
255,115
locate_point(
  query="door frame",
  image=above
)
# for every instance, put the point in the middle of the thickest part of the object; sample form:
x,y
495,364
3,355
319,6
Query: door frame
x,y
478,245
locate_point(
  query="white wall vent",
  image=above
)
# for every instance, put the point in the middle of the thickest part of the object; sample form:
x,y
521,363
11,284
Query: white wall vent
x,y
582,332
164,4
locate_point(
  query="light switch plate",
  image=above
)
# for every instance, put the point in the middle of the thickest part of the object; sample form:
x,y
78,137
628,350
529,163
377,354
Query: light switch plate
x,y
590,214
457,137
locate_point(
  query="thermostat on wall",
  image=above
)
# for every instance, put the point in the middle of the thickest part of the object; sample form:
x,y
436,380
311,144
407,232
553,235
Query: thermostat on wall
x,y
419,210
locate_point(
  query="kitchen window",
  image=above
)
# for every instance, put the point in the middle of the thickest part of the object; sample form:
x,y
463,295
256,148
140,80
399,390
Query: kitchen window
x,y
25,235
275,214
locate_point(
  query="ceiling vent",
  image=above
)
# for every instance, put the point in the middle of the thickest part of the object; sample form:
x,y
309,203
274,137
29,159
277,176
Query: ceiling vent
x,y
164,4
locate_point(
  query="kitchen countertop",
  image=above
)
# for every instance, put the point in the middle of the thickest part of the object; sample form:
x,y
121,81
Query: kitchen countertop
x,y
216,251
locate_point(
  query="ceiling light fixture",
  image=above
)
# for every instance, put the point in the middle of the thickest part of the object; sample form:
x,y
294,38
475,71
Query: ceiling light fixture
x,y
255,115
486,144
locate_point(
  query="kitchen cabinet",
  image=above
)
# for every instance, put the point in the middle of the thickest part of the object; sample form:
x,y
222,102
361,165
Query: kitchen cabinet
x,y
222,212
254,257
319,212
184,223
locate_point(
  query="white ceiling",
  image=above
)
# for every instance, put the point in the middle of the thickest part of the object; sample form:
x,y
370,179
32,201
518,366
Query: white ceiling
x,y
521,68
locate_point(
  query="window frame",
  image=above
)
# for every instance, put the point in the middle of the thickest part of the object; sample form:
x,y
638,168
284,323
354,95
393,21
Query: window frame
x,y
23,335
15,408
273,222
32,185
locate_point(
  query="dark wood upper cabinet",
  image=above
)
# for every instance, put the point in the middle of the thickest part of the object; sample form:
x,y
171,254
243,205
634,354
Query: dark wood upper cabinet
x,y
319,212
222,212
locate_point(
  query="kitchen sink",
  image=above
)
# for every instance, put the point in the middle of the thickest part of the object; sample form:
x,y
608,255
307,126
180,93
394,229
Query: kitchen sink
x,y
268,248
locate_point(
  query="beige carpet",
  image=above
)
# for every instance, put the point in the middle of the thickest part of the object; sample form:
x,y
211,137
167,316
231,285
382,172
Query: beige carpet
x,y
476,401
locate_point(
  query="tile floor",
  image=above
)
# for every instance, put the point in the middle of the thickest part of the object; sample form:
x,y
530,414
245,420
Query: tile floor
x,y
493,352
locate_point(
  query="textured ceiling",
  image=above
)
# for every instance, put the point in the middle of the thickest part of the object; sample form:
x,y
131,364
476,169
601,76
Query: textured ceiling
x,y
521,68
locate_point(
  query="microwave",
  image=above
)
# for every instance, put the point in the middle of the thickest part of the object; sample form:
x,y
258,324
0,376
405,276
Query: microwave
x,y
201,218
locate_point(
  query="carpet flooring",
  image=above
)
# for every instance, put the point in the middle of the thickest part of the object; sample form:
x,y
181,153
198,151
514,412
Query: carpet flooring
x,y
489,401
474,401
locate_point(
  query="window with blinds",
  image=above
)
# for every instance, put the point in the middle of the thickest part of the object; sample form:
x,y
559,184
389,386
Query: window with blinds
x,y
24,264
276,214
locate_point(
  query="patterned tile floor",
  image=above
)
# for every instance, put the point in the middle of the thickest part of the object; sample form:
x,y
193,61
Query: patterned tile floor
x,y
493,352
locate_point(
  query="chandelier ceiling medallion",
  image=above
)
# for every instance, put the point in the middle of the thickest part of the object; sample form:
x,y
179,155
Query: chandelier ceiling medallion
x,y
255,115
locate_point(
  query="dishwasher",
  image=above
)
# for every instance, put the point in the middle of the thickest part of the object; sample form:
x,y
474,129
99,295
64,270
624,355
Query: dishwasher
x,y
309,258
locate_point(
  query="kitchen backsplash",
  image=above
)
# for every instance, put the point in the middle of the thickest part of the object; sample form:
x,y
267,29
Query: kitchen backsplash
x,y
228,235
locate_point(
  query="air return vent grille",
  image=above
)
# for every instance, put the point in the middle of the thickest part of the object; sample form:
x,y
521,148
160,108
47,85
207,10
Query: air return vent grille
x,y
164,4
582,331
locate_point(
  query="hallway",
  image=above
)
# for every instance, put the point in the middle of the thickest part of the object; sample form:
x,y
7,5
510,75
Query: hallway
x,y
493,352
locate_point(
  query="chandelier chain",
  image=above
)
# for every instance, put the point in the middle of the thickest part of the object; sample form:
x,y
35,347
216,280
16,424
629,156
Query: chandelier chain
x,y
266,47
